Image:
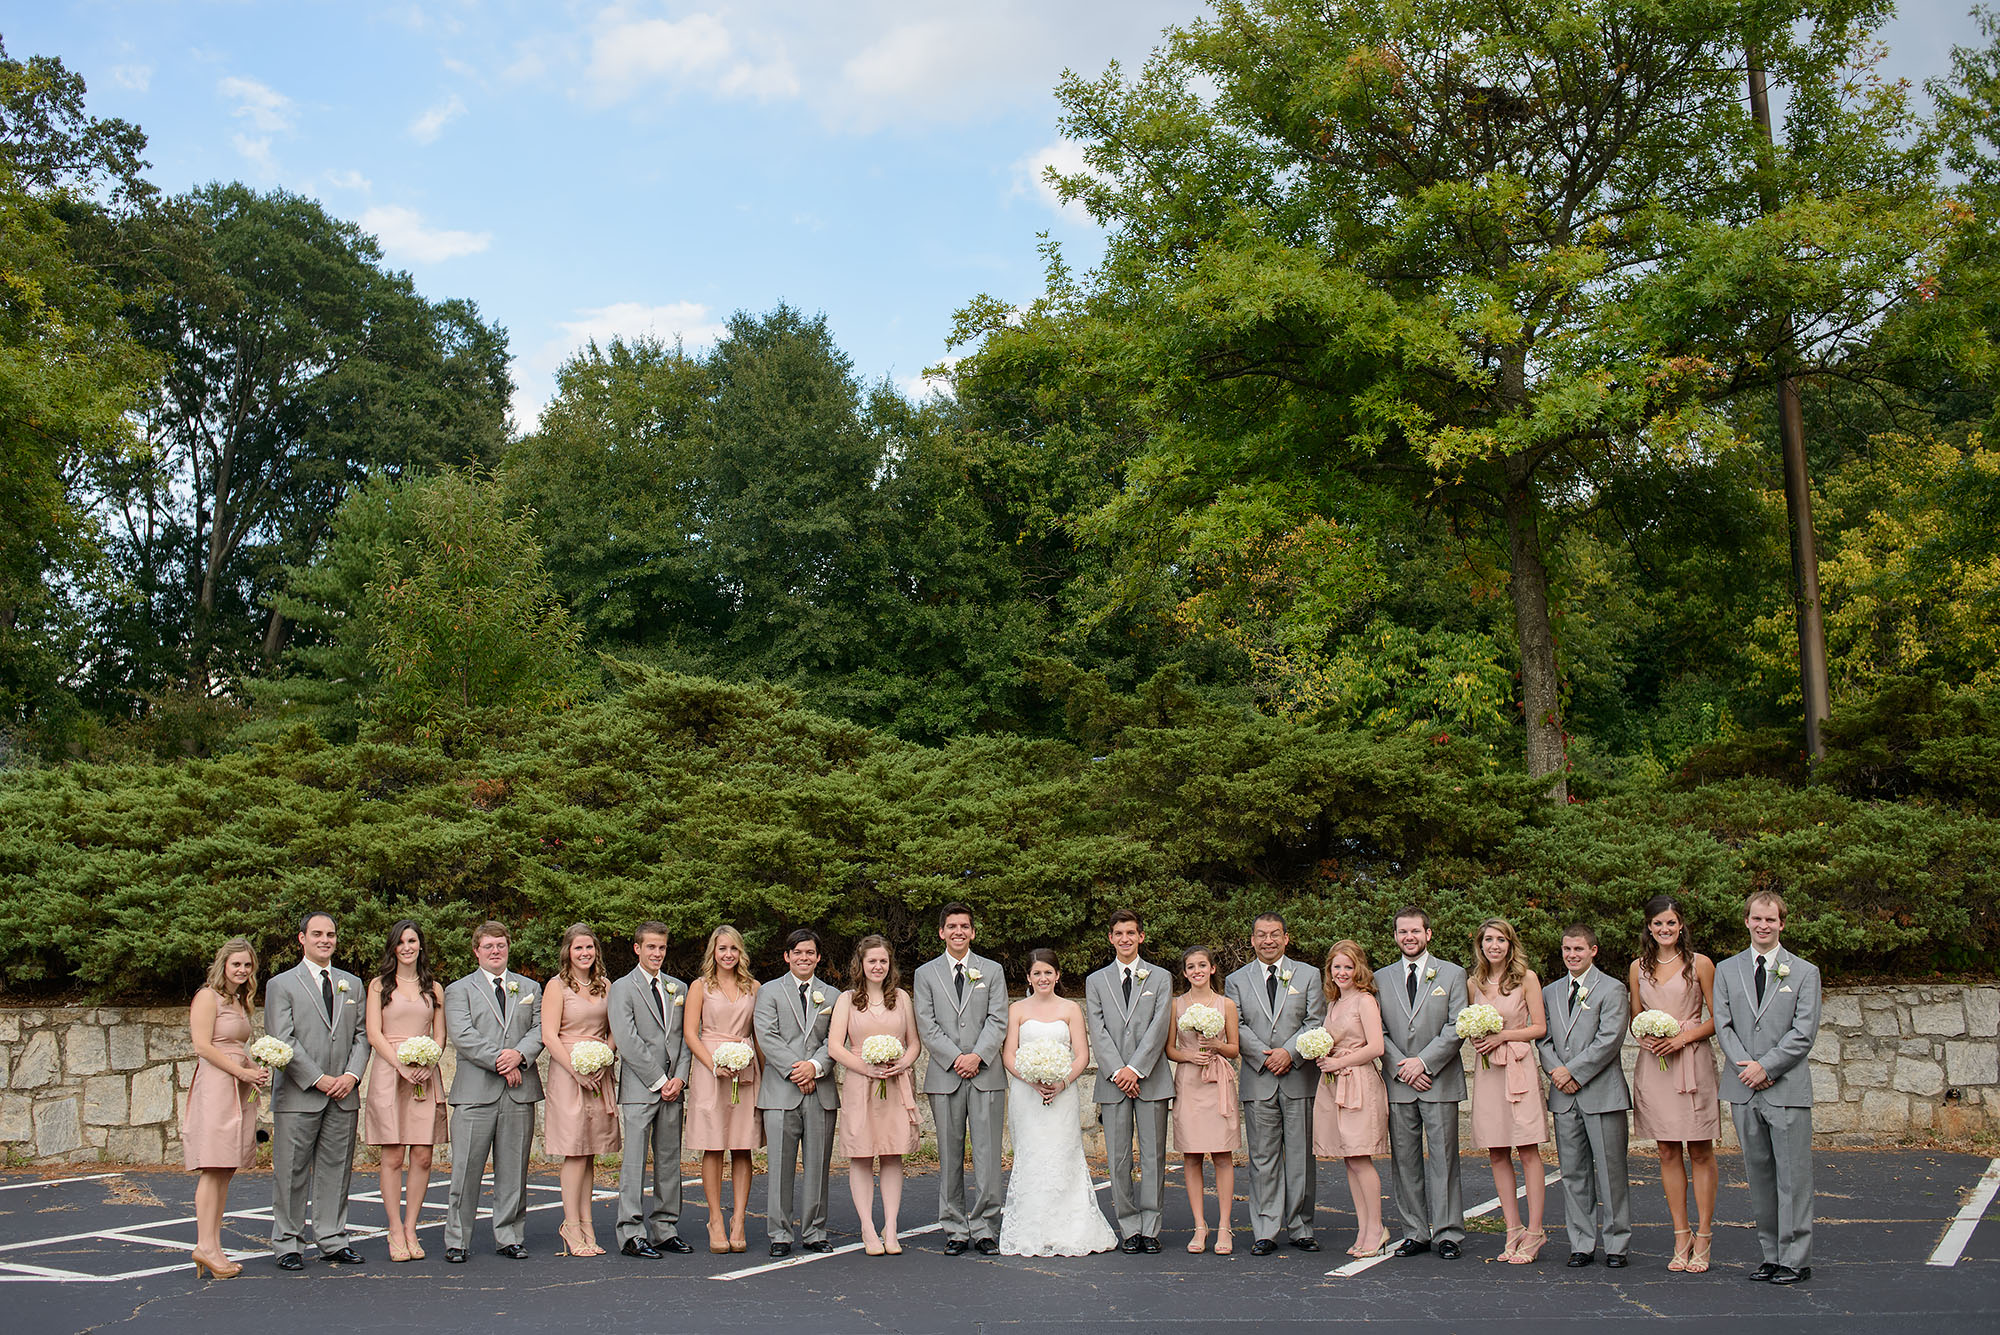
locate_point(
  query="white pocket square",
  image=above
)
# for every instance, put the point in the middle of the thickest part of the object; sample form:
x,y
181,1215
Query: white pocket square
x,y
1437,991
1784,989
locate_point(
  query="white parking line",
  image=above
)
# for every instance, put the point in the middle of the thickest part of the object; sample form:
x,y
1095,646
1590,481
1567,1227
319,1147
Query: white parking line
x,y
57,1181
1952,1245
1353,1268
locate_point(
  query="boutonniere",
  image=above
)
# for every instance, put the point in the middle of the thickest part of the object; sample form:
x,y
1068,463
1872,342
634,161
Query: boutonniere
x,y
1783,971
1430,974
513,988
1143,974
673,989
341,986
1583,994
1284,975
972,975
819,997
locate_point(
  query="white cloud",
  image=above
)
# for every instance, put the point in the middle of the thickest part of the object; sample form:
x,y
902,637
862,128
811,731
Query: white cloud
x,y
136,77
257,150
349,180
426,128
1031,177
264,107
628,54
405,235
922,385
688,321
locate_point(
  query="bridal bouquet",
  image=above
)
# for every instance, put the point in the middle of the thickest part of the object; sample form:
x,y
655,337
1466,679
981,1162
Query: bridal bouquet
x,y
1314,1044
1203,1020
733,1058
1043,1062
590,1056
422,1050
271,1052
881,1050
1477,1022
1655,1024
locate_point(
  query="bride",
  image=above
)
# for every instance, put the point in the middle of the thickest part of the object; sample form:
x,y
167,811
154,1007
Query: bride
x,y
1051,1209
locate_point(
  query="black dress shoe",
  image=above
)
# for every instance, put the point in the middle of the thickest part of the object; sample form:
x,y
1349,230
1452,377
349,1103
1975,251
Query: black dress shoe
x,y
291,1261
1448,1250
456,1256
1578,1260
1763,1272
987,1246
1150,1244
781,1249
820,1245
1618,1262
345,1256
674,1244
955,1246
1787,1275
1131,1245
513,1251
1306,1244
1263,1247
1411,1247
640,1248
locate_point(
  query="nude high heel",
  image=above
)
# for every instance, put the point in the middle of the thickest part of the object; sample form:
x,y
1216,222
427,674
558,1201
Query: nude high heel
x,y
1532,1242
1698,1254
1223,1246
718,1238
218,1267
1199,1242
1680,1261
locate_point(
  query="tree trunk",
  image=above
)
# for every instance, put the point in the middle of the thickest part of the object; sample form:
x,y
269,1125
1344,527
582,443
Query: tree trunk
x,y
274,638
1528,582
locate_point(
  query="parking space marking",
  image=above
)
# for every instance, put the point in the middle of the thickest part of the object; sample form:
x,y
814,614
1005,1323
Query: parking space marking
x,y
57,1181
1952,1245
1353,1268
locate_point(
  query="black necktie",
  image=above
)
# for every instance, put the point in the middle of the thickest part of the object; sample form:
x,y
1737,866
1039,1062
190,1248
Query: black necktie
x,y
1572,995
803,1004
659,1003
500,995
1410,985
1760,980
326,990
1271,989
958,981
1128,987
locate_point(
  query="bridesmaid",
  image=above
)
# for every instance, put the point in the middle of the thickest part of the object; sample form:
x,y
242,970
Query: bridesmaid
x,y
1351,1108
219,1128
876,1129
1674,1097
581,1115
1208,1120
1508,1111
719,1008
404,1112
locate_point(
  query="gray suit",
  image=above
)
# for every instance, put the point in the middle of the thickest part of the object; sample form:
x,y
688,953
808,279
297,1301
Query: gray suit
x,y
488,1117
1277,1110
951,1024
651,1051
1775,1124
795,1123
1428,1196
1133,1033
312,1136
1592,1125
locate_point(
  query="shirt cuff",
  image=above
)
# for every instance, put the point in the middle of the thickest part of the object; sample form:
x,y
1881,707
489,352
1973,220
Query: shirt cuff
x,y
819,1070
658,1085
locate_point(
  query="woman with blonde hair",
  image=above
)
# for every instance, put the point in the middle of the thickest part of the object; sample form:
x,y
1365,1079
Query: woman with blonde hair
x,y
1508,1111
722,1120
219,1128
404,1113
878,1101
1351,1106
581,1118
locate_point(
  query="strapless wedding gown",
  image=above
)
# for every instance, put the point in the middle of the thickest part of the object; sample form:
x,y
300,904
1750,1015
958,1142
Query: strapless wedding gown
x,y
1051,1209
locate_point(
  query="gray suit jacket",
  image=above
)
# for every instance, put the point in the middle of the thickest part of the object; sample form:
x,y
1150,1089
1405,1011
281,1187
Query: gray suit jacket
x,y
295,1013
1587,1042
473,1022
951,1027
1301,1006
1428,1035
647,1056
1135,1035
786,1034
1777,1034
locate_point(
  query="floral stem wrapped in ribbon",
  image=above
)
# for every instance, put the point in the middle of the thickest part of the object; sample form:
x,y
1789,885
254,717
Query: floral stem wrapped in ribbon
x,y
272,1052
1477,1021
1314,1044
423,1050
734,1058
881,1050
1655,1024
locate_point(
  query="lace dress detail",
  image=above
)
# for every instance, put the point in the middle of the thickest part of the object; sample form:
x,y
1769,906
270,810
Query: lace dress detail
x,y
1051,1209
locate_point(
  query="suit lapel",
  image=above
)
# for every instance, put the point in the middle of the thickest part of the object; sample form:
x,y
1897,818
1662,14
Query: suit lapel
x,y
493,1003
1569,1019
1771,981
949,980
311,976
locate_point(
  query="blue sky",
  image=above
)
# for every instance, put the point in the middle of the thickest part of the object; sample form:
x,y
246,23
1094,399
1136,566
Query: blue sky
x,y
588,169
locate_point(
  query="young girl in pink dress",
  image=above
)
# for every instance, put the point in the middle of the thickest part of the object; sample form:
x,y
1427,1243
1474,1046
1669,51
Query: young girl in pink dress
x,y
1351,1106
1674,1098
580,1118
1207,1118
404,1114
219,1131
719,1008
1508,1111
878,1103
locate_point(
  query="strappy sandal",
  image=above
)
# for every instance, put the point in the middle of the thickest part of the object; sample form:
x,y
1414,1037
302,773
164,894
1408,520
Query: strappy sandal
x,y
1680,1261
1515,1237
1698,1256
1532,1242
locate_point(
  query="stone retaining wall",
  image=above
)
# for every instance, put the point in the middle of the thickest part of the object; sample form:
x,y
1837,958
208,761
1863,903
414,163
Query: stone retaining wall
x,y
106,1084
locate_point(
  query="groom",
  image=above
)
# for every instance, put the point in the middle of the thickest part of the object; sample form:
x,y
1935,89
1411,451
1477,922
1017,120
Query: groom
x,y
1128,1007
962,1018
1277,999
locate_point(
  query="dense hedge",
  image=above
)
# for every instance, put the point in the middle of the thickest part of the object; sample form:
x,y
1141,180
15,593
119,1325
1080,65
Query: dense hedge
x,y
700,802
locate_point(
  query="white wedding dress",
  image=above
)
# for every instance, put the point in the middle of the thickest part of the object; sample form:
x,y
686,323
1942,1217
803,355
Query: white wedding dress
x,y
1051,1209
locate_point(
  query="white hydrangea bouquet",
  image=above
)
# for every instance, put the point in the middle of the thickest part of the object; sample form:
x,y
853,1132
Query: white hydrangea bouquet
x,y
1316,1043
881,1050
1043,1062
1203,1020
734,1058
423,1050
271,1052
1477,1021
1655,1024
590,1056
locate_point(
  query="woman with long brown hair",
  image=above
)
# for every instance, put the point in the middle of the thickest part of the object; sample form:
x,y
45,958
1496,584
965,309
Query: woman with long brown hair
x,y
404,1115
878,1100
1674,1085
581,1121
722,1120
1207,1117
1351,1106
1509,1114
219,1128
